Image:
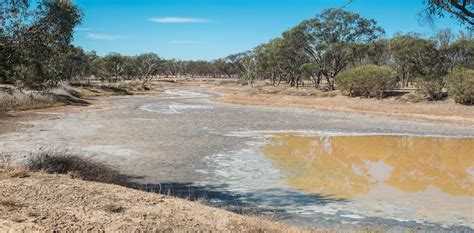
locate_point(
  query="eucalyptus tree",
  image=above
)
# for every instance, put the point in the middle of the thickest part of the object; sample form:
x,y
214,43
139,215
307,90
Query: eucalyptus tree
x,y
269,61
236,67
37,37
247,63
460,53
331,38
462,10
292,49
227,67
428,66
114,66
147,66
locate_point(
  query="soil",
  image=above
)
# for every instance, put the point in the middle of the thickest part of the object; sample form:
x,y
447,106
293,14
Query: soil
x,y
309,97
166,139
43,202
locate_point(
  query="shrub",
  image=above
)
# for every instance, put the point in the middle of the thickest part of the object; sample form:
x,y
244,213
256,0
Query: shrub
x,y
367,80
431,85
76,166
460,85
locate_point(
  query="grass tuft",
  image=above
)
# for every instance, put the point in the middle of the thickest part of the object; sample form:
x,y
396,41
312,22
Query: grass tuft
x,y
76,166
113,208
11,203
17,172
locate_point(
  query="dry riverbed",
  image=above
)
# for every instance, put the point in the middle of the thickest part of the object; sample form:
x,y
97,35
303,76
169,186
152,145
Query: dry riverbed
x,y
189,142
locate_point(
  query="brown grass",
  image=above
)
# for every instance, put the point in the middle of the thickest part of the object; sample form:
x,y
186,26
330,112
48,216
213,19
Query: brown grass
x,y
27,101
17,172
57,162
11,203
113,208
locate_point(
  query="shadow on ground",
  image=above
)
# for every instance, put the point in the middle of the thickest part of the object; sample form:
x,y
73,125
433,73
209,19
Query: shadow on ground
x,y
268,200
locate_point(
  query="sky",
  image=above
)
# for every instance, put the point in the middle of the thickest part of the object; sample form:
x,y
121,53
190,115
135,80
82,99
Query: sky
x,y
211,29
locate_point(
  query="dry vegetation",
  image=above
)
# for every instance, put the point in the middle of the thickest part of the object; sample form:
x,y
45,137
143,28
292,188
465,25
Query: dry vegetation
x,y
50,202
405,105
77,94
62,162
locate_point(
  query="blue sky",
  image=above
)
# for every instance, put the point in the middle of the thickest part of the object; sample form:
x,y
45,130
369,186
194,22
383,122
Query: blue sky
x,y
210,29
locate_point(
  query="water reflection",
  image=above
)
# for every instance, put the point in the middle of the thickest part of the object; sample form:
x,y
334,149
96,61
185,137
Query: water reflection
x,y
348,166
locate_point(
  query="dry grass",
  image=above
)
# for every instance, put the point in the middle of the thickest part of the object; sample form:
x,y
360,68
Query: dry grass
x,y
56,162
16,100
5,160
113,208
17,172
11,203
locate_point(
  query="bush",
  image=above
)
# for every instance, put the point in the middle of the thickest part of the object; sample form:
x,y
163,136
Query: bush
x,y
460,85
76,166
367,80
431,85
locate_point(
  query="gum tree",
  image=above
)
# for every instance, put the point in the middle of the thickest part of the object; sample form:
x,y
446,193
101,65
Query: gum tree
x,y
331,37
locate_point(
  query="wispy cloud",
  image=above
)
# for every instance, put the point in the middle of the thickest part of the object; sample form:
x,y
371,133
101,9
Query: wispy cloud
x,y
183,42
83,29
179,20
94,36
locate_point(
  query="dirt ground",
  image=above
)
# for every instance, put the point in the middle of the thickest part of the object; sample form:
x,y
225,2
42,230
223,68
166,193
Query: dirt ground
x,y
165,136
309,97
43,202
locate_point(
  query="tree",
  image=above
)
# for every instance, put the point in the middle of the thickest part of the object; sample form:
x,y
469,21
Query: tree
x,y
462,10
114,66
293,52
331,37
402,48
460,85
247,62
460,53
428,66
147,66
269,60
37,38
226,67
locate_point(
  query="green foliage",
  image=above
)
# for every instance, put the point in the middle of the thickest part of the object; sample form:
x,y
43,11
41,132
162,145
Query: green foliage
x,y
460,85
461,10
35,39
367,81
332,37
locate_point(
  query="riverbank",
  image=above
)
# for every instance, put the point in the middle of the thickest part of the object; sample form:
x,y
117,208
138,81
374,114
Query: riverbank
x,y
401,107
173,142
43,202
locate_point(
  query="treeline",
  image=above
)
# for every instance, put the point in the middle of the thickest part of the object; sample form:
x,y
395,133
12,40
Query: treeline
x,y
36,51
336,49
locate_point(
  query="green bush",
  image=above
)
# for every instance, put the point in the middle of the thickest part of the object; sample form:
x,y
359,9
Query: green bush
x,y
431,85
460,85
367,80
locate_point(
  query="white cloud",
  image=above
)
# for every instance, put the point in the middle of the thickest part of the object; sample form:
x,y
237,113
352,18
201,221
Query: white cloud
x,y
183,42
94,36
179,20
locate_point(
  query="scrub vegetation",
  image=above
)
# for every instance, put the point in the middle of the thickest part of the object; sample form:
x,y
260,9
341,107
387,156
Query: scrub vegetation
x,y
334,50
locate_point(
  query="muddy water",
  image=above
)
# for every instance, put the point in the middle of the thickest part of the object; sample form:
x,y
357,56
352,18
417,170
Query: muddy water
x,y
358,178
425,173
